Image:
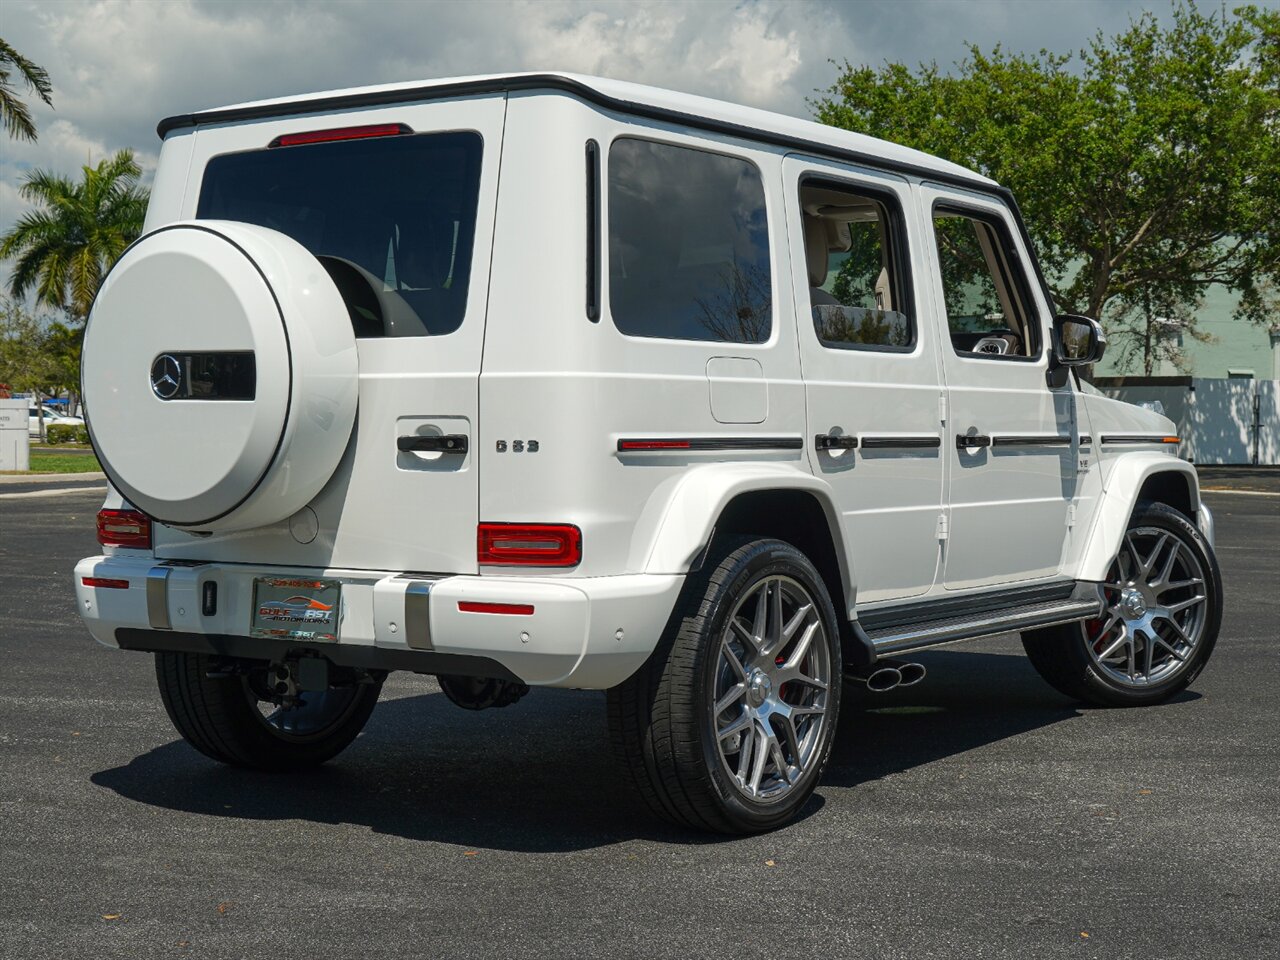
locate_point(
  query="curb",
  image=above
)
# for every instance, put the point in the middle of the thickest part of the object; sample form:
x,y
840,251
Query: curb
x,y
51,477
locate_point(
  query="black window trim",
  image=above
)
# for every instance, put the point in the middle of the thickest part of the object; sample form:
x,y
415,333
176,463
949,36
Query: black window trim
x,y
594,235
606,296
900,258
1009,255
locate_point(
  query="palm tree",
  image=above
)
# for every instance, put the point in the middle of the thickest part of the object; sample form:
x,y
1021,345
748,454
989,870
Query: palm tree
x,y
67,243
14,113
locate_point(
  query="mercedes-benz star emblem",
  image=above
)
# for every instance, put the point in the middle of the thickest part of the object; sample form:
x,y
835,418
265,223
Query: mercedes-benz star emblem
x,y
166,376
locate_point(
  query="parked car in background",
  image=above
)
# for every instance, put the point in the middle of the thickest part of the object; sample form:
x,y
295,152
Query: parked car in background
x,y
51,416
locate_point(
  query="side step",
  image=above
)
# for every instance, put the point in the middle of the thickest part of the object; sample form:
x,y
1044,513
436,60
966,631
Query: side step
x,y
1084,601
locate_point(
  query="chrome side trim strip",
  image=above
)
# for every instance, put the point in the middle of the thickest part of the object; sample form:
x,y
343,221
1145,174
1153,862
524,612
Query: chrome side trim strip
x,y
158,598
1030,441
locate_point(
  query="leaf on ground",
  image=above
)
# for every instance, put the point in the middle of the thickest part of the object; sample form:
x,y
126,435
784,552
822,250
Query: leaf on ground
x,y
112,916
770,863
224,907
470,853
1143,793
1084,934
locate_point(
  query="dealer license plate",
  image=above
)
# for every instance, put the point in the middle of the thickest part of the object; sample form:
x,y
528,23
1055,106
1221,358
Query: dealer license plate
x,y
295,608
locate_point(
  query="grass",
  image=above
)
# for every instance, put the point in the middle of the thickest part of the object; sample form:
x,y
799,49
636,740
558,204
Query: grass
x,y
46,462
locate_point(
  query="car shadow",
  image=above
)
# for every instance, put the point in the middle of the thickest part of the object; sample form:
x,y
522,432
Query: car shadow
x,y
539,776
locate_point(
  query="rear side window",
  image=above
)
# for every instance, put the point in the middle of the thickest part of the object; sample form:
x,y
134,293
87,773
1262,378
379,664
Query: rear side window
x,y
688,244
393,220
856,257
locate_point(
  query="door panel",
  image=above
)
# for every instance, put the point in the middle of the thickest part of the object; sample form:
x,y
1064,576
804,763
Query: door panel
x,y
1012,478
866,382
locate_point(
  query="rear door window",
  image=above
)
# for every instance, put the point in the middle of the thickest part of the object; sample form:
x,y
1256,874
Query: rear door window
x,y
856,256
688,244
392,219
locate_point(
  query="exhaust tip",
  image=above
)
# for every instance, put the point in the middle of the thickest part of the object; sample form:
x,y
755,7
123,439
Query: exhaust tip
x,y
883,679
912,673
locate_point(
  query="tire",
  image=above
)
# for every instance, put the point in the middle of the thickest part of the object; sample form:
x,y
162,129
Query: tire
x,y
664,723
219,715
1169,550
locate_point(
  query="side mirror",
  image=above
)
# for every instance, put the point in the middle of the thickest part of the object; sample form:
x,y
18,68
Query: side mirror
x,y
1078,341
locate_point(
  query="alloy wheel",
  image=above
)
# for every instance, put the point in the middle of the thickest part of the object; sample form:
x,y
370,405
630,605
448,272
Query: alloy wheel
x,y
771,689
1155,613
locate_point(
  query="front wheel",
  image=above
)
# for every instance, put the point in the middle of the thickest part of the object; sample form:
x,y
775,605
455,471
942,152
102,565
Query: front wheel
x,y
1159,623
730,723
235,717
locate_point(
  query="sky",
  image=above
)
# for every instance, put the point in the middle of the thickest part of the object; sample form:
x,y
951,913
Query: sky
x,y
119,66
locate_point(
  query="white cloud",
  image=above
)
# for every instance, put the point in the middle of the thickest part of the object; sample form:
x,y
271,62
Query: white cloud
x,y
118,67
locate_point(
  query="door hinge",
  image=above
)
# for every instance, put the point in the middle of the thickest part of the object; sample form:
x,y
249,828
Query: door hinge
x,y
942,526
1071,515
942,408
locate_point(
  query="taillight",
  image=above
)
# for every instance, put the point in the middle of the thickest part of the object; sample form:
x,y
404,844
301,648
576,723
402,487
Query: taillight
x,y
528,544
124,528
339,133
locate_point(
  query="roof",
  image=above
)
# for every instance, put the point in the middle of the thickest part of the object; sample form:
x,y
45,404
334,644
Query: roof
x,y
653,102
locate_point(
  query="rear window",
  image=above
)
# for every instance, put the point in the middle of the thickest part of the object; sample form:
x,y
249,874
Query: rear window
x,y
392,219
688,244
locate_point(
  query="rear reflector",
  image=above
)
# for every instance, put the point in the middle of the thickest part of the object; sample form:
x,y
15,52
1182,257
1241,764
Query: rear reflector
x,y
624,445
339,133
528,544
105,583
124,528
511,609
1170,440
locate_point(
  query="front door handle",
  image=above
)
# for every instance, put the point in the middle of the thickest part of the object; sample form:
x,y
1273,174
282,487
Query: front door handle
x,y
449,443
828,441
972,441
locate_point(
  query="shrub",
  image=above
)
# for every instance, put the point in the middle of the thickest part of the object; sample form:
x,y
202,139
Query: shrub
x,y
65,433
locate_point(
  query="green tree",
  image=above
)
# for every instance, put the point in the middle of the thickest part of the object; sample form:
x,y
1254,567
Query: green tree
x,y
14,113
1147,166
63,344
26,363
65,246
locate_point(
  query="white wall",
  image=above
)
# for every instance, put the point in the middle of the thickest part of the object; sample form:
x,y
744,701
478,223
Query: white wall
x,y
1220,421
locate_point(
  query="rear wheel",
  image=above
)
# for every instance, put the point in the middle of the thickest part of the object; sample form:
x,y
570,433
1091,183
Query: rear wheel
x,y
729,724
1159,624
235,716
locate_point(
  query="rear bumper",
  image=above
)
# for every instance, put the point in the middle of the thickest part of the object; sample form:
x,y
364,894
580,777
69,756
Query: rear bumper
x,y
591,632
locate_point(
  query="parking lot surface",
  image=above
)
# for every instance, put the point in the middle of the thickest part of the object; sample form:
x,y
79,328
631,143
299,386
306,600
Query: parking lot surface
x,y
980,814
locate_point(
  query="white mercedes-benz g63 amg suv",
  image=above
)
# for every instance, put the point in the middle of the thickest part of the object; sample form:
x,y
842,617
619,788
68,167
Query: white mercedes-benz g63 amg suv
x,y
547,380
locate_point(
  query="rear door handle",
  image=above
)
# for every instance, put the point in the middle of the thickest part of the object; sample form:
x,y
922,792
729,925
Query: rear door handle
x,y
449,443
972,441
828,441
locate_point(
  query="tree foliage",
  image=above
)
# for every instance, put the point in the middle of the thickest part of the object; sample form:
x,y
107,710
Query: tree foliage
x,y
14,113
64,247
27,363
1147,166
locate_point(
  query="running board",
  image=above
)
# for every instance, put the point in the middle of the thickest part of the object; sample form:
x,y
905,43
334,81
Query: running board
x,y
1085,601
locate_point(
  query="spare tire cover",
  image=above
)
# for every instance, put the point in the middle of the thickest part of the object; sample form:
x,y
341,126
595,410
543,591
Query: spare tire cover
x,y
194,448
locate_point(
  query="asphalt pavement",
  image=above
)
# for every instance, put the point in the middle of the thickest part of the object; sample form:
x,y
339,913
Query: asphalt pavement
x,y
978,815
